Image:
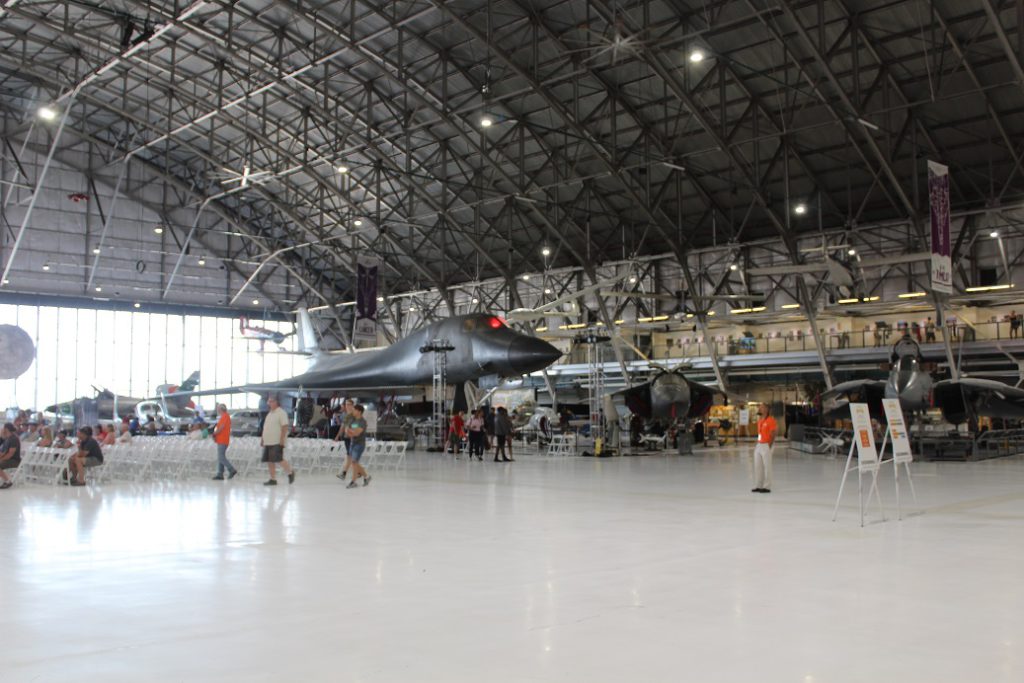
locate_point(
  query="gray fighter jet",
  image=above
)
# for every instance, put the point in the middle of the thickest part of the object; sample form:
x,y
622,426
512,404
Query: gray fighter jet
x,y
111,405
482,346
969,398
670,397
907,381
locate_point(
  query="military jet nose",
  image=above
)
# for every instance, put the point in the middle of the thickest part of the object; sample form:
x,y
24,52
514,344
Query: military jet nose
x,y
528,354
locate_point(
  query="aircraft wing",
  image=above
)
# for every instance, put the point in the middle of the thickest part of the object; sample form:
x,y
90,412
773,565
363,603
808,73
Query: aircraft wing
x,y
870,391
958,400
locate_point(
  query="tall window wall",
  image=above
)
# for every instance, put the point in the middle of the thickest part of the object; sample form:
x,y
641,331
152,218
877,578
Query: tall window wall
x,y
132,353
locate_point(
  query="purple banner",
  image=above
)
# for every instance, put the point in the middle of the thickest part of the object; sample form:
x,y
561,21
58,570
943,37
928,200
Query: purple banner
x,y
938,202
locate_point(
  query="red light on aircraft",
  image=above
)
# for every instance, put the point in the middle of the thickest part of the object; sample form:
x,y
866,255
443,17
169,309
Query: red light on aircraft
x,y
496,323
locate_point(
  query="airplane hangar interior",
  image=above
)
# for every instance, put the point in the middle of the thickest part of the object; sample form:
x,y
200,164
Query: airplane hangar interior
x,y
512,340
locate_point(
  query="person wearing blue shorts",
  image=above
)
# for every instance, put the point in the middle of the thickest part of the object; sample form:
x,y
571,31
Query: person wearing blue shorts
x,y
356,433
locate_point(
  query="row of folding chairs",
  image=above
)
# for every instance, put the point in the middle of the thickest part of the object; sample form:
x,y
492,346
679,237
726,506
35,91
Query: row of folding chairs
x,y
181,459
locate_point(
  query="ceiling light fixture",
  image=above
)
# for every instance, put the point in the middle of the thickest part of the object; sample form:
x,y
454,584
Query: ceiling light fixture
x,y
486,121
546,251
851,251
849,301
46,266
95,250
255,302
547,290
541,329
912,295
343,169
871,298
357,222
800,209
734,267
202,262
380,299
99,289
526,277
994,233
158,230
475,300
696,55
47,113
989,288
632,280
137,305
790,305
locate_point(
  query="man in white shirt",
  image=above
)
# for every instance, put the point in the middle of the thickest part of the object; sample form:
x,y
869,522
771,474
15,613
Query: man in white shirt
x,y
275,434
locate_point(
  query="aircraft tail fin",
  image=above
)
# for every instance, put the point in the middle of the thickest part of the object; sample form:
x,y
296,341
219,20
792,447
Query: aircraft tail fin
x,y
307,336
190,383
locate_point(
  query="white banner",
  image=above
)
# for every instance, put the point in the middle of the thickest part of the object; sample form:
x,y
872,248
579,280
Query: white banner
x,y
938,202
897,430
863,436
744,417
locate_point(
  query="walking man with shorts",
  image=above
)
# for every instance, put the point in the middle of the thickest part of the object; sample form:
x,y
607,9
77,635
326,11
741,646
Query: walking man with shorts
x,y
275,434
222,437
356,432
766,429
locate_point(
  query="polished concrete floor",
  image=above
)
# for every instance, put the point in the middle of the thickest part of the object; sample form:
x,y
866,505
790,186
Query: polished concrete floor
x,y
630,569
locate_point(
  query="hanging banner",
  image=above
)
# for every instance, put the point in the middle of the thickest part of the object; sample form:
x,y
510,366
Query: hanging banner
x,y
897,431
863,435
364,327
938,202
366,292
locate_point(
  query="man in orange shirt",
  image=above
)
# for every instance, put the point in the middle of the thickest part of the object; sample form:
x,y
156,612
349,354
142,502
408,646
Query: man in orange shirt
x,y
766,429
222,437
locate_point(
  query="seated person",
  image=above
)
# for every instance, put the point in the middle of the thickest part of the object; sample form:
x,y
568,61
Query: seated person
x,y
62,440
46,440
109,437
151,427
88,454
10,454
126,435
134,427
32,435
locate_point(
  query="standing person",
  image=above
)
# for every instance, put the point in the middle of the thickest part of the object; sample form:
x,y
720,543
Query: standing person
x,y
456,432
222,437
89,454
346,421
10,453
503,434
356,432
766,429
475,427
929,330
275,434
1014,325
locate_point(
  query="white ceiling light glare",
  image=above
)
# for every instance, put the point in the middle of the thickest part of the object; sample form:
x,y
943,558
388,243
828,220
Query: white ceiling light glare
x,y
201,261
137,305
46,266
800,209
357,222
733,267
475,300
851,251
158,230
99,289
47,113
994,234
380,299
255,302
95,250
546,251
342,169
697,55
526,277
632,280
486,120
547,290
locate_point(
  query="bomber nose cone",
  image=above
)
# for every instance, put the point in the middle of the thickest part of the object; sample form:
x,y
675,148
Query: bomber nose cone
x,y
529,354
